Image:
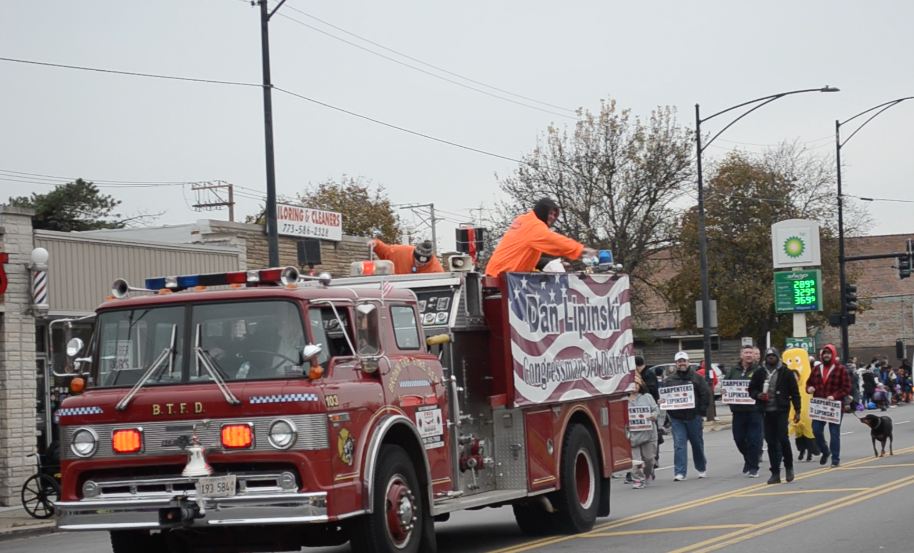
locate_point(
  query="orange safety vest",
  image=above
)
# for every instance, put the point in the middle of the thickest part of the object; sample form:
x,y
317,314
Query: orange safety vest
x,y
404,262
527,238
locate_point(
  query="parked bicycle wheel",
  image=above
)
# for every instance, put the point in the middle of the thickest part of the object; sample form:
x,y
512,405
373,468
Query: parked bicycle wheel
x,y
39,494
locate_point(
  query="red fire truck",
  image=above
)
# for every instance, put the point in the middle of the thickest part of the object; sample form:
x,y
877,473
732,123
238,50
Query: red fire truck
x,y
266,411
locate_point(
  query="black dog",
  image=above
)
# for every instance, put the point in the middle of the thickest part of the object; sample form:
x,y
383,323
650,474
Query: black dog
x,y
880,429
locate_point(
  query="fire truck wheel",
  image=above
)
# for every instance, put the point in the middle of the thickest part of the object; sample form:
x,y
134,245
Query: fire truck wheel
x,y
579,499
400,522
137,541
533,520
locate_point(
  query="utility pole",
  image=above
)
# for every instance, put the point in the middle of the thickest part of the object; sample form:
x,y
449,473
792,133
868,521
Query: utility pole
x,y
208,197
270,215
431,222
431,209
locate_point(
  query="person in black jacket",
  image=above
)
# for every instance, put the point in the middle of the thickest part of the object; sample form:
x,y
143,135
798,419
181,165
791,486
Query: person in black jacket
x,y
648,378
686,422
775,389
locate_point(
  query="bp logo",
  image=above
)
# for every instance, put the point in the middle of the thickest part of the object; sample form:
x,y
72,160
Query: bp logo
x,y
794,247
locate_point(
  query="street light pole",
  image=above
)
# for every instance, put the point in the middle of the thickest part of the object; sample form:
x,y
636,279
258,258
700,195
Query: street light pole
x,y
842,273
270,214
702,236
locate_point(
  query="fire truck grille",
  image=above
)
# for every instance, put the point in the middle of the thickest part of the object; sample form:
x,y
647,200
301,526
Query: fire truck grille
x,y
169,438
167,487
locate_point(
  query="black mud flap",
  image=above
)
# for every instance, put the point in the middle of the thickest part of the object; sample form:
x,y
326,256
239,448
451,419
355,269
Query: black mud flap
x,y
603,511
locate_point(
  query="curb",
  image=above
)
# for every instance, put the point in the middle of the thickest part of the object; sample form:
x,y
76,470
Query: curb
x,y
26,532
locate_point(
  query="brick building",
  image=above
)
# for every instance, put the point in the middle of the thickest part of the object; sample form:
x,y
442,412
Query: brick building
x,y
251,239
17,353
890,315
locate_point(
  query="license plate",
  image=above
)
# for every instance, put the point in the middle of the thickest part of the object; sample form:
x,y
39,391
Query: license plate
x,y
216,486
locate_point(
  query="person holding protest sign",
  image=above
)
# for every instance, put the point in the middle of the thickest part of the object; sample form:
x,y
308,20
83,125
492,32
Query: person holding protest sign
x,y
829,382
747,421
642,417
775,390
685,398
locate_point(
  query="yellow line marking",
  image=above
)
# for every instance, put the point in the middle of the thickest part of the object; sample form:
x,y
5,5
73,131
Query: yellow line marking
x,y
519,548
877,467
792,518
662,530
804,491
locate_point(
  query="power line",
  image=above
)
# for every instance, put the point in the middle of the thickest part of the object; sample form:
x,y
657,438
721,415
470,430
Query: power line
x,y
392,126
422,62
289,92
776,144
404,64
130,73
865,199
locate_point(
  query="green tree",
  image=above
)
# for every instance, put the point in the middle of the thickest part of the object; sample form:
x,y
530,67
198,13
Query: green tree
x,y
366,212
75,206
745,195
616,179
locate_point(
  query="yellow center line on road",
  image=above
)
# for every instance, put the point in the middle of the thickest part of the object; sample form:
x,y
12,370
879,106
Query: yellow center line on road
x,y
664,530
878,467
838,490
542,542
792,518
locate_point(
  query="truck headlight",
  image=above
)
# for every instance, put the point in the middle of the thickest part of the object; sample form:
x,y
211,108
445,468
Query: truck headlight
x,y
84,442
282,434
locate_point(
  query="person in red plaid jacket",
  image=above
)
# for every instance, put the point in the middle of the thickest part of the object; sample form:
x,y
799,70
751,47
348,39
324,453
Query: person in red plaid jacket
x,y
829,380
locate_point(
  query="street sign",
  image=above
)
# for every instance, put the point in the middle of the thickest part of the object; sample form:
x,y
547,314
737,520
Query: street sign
x,y
699,319
809,344
798,291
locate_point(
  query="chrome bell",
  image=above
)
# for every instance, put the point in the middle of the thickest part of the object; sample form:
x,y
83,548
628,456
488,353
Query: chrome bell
x,y
196,461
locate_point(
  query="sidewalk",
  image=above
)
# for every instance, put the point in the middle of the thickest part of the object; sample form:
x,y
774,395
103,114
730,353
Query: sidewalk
x,y
16,523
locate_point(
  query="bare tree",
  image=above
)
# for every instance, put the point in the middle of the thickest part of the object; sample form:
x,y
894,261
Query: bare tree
x,y
616,179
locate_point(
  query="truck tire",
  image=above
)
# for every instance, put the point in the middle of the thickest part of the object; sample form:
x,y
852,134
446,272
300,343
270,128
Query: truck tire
x,y
578,501
138,541
533,520
399,522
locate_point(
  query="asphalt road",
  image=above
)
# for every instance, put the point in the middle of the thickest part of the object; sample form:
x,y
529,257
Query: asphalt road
x,y
863,505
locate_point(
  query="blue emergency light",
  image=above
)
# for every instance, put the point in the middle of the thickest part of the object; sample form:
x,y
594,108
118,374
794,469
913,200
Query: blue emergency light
x,y
605,257
288,275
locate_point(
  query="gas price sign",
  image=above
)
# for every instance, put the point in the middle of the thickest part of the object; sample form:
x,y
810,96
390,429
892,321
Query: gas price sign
x,y
798,291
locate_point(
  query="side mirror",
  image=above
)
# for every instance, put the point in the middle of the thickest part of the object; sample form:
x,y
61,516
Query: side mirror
x,y
75,347
311,351
368,333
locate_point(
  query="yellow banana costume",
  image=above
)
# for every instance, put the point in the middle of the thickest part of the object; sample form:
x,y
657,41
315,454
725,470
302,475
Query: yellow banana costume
x,y
798,360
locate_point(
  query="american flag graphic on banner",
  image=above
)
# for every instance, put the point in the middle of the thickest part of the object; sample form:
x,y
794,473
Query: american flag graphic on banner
x,y
571,336
386,288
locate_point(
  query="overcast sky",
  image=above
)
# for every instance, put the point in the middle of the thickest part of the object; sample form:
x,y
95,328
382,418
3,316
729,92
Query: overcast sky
x,y
570,54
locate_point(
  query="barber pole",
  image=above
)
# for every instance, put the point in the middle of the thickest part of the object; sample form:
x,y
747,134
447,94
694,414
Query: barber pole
x,y
40,288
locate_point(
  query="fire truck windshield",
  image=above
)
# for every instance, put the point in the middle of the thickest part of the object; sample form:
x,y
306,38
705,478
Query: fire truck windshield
x,y
240,340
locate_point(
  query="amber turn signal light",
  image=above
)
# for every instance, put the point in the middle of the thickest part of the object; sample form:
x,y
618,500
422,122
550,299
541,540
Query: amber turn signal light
x,y
77,385
237,436
127,441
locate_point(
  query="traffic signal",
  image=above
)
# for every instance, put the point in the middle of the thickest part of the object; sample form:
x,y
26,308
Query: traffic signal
x,y
850,297
904,266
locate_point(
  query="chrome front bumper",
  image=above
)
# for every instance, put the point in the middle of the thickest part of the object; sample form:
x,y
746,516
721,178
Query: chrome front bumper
x,y
240,510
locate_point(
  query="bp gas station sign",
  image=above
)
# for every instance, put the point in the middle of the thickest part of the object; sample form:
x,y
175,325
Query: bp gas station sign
x,y
798,291
795,243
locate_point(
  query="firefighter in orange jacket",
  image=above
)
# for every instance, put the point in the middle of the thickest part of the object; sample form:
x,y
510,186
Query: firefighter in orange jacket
x,y
530,236
408,259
